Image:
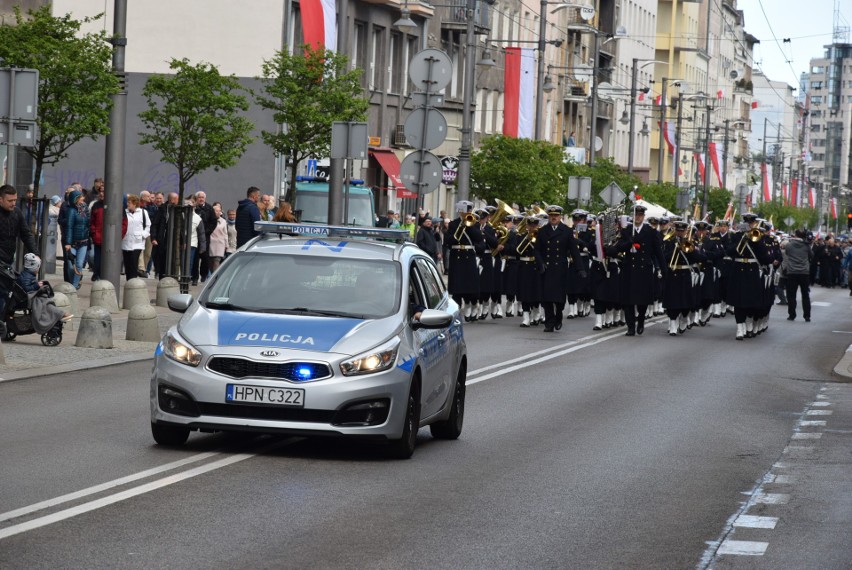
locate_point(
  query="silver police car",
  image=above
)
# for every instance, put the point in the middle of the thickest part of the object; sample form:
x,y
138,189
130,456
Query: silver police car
x,y
315,330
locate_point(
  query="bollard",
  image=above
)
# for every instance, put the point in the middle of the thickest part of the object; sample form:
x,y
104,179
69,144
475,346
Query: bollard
x,y
166,287
62,302
103,295
142,324
73,299
95,328
135,293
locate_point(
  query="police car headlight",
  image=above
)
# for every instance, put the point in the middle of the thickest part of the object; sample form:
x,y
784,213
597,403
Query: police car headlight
x,y
376,360
175,348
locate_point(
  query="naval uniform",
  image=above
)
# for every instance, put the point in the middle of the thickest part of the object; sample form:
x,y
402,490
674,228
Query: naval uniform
x,y
463,280
642,258
555,244
579,286
509,275
746,289
489,274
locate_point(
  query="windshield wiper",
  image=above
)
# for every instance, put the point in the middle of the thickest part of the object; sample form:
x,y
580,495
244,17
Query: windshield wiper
x,y
227,306
318,312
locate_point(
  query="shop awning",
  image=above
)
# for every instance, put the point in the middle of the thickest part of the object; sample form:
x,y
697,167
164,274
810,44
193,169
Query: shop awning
x,y
390,164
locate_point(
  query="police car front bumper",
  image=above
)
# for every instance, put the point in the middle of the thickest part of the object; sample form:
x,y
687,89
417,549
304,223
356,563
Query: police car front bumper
x,y
368,406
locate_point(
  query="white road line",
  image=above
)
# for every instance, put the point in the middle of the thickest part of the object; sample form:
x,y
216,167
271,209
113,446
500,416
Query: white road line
x,y
104,486
820,404
528,363
772,498
751,521
818,413
820,304
743,548
842,332
811,435
812,423
129,493
785,480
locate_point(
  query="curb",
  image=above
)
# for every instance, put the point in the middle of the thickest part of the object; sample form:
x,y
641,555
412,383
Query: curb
x,y
844,367
74,367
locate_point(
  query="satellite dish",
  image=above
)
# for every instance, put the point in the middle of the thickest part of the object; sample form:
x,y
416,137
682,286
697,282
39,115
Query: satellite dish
x,y
587,13
598,143
685,87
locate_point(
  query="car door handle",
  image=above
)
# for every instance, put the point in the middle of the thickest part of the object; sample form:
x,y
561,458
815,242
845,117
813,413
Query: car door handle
x,y
442,336
456,322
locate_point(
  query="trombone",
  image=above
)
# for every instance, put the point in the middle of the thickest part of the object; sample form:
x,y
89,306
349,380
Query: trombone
x,y
497,221
467,221
753,235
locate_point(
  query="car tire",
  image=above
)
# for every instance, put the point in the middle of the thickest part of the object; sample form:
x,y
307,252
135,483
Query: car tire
x,y
451,428
169,435
403,448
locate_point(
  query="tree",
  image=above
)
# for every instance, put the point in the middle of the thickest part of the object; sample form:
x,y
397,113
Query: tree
x,y
308,91
520,171
194,119
75,79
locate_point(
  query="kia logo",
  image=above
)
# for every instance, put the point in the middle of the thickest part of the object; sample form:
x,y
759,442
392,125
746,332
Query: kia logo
x,y
269,353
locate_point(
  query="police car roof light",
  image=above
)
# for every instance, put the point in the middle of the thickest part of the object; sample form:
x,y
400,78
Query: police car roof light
x,y
319,230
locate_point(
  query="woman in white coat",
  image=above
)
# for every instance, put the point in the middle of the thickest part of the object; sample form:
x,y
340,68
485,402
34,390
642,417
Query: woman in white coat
x,y
138,230
218,239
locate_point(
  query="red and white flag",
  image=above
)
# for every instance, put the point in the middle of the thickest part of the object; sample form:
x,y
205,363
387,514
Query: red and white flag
x,y
811,197
720,94
766,175
754,104
319,24
833,203
669,135
729,212
716,161
785,197
519,103
794,193
659,101
699,160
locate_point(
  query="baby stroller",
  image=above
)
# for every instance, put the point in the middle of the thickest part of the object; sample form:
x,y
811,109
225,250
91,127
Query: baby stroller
x,y
19,317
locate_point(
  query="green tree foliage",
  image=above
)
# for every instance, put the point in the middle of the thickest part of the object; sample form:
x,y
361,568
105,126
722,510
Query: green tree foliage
x,y
307,91
804,217
194,119
664,195
75,79
520,171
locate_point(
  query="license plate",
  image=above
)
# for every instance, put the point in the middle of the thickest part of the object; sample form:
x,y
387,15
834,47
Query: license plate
x,y
292,397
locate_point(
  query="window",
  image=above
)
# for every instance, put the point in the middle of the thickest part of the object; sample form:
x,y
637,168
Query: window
x,y
376,59
358,47
816,100
817,85
817,69
395,66
432,286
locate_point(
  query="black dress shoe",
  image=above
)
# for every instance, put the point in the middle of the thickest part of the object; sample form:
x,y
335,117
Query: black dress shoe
x,y
640,328
807,319
630,332
548,328
558,325
791,318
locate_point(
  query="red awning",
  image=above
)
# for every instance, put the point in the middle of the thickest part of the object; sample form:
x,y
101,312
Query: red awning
x,y
390,164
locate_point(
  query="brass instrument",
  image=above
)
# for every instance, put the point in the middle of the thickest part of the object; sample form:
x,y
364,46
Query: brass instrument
x,y
610,224
497,220
670,234
688,244
529,239
467,221
753,235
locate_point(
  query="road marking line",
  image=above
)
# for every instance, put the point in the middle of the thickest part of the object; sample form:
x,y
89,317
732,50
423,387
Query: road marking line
x,y
821,404
820,304
812,423
784,480
842,332
104,486
822,397
528,363
129,493
751,521
818,413
772,498
797,449
811,435
743,548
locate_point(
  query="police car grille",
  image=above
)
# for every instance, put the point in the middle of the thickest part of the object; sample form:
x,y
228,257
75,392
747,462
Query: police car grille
x,y
266,413
242,368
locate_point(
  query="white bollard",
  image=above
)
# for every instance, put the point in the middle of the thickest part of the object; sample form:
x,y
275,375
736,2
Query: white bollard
x,y
142,324
166,287
95,328
71,293
135,293
103,295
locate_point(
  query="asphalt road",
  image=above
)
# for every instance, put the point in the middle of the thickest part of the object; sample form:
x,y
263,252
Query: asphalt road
x,y
580,450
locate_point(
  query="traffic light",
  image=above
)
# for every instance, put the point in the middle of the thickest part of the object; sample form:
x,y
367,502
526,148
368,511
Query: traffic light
x,y
849,221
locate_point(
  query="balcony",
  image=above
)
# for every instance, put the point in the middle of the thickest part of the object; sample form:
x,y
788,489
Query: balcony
x,y
743,86
453,16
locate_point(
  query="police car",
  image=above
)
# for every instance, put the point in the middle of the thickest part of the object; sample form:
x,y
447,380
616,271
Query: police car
x,y
315,330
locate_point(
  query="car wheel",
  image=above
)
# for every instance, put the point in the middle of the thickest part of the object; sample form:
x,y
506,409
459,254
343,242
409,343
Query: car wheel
x,y
451,428
403,448
169,435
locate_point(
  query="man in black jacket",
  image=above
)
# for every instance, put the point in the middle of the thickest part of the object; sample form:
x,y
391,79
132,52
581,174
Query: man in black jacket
x,y
201,265
555,242
160,235
12,227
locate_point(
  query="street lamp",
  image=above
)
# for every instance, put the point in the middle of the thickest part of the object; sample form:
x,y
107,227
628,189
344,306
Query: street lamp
x,y
632,134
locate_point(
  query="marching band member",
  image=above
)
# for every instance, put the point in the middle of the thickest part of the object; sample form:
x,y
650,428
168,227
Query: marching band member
x,y
643,255
680,279
746,288
711,246
496,297
770,273
486,264
530,268
464,240
579,292
605,277
509,276
555,243
721,308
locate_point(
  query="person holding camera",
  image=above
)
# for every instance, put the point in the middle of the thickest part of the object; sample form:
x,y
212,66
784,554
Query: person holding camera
x,y
797,269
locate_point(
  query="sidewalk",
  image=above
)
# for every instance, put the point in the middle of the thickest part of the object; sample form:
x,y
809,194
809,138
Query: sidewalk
x,y
27,357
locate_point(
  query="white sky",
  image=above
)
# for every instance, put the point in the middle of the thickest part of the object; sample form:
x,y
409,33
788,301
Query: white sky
x,y
809,24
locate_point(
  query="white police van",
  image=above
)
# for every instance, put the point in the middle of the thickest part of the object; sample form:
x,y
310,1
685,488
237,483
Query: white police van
x,y
311,330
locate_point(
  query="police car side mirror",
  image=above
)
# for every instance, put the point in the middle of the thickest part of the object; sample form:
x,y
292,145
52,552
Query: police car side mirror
x,y
433,319
180,303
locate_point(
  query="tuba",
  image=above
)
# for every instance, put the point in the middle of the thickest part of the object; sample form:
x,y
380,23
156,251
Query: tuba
x,y
467,221
497,222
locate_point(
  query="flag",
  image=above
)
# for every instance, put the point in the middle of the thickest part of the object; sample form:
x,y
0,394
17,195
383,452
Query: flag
x,y
716,160
641,96
700,161
669,135
729,212
319,24
754,104
834,208
794,193
720,94
812,197
785,197
659,101
519,101
766,176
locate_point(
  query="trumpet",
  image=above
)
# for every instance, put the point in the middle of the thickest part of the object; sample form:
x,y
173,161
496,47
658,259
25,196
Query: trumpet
x,y
467,221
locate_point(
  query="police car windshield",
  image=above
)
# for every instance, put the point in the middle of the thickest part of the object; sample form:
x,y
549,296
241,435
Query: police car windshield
x,y
306,285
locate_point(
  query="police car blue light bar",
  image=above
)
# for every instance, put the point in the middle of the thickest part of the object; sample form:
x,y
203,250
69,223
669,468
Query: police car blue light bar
x,y
319,230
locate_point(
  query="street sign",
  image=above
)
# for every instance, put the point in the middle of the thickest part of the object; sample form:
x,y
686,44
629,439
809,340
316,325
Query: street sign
x,y
25,106
417,162
682,200
349,140
23,133
450,166
612,194
430,69
432,121
789,220
741,190
422,99
579,188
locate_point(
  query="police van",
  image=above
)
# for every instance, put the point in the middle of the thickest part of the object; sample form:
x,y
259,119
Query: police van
x,y
315,330
311,202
